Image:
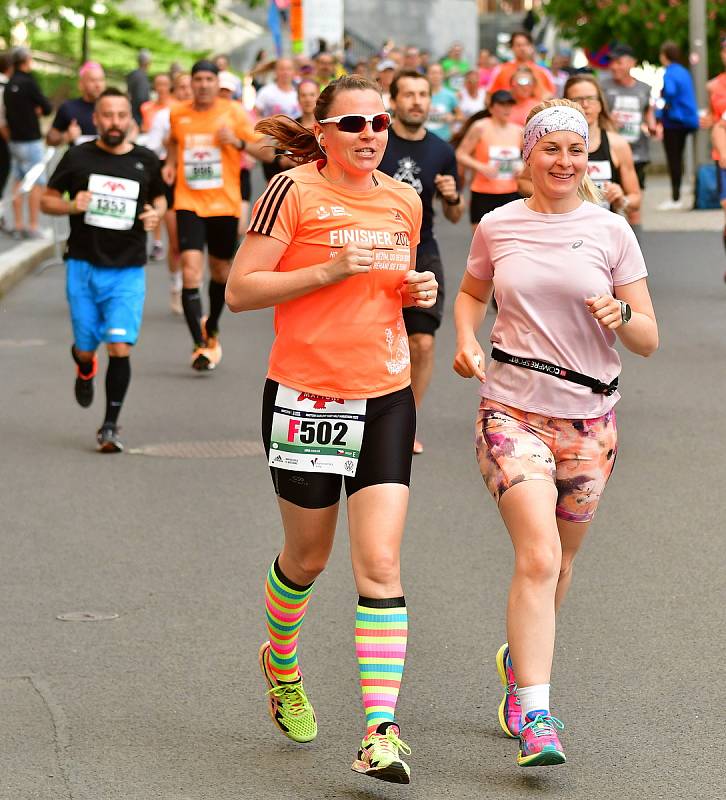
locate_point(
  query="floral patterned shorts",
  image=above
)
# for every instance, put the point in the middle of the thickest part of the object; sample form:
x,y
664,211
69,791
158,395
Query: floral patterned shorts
x,y
577,455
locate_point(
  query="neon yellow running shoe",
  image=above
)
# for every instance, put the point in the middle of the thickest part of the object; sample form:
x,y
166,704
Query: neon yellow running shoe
x,y
378,755
288,704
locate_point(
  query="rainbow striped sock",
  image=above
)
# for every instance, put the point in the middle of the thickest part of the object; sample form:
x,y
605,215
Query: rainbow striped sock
x,y
381,630
286,604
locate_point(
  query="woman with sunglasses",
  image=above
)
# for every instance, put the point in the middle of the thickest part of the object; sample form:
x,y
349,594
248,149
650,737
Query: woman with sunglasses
x,y
332,247
568,284
610,159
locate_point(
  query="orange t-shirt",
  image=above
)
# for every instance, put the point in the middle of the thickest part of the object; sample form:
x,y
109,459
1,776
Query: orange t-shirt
x,y
502,78
504,146
349,339
207,181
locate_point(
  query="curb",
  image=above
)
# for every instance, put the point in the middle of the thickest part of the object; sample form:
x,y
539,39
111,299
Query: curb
x,y
21,260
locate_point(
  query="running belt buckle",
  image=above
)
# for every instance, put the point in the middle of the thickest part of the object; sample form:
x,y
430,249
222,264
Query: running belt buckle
x,y
546,367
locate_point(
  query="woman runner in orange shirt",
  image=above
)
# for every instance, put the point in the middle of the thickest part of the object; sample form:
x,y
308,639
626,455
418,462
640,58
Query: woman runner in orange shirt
x,y
331,246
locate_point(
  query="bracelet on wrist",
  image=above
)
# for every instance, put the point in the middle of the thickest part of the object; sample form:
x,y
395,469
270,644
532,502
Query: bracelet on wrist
x,y
454,202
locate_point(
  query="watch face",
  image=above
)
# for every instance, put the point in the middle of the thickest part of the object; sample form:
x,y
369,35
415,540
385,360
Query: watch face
x,y
626,311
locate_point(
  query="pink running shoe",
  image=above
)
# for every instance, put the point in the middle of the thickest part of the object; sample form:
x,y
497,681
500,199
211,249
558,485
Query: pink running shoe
x,y
539,745
510,712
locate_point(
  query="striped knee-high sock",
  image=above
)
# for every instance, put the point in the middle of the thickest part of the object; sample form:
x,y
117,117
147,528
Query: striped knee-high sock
x,y
286,604
381,630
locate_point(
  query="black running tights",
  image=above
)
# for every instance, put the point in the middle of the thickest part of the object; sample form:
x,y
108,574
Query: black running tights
x,y
674,143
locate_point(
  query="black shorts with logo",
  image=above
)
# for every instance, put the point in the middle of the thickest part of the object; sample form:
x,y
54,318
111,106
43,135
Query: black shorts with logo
x,y
427,320
219,234
385,455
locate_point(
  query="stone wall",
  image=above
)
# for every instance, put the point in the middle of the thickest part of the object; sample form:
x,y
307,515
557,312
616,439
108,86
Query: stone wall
x,y
429,24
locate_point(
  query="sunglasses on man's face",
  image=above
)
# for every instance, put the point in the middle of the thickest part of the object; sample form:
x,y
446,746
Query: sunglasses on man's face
x,y
356,123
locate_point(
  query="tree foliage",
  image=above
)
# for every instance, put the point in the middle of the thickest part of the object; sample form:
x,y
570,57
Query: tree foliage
x,y
643,24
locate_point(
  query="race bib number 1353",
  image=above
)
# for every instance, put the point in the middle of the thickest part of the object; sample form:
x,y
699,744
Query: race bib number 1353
x,y
316,434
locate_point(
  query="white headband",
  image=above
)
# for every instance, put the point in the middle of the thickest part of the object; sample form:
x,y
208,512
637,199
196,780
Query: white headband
x,y
554,118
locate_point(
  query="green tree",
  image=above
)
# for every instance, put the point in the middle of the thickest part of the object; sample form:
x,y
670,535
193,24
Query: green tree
x,y
643,24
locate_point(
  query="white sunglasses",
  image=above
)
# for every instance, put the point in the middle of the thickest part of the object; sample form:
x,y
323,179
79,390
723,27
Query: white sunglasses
x,y
355,123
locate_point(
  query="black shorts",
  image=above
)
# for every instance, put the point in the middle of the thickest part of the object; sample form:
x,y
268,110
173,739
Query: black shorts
x,y
219,234
640,172
245,185
482,203
427,320
385,456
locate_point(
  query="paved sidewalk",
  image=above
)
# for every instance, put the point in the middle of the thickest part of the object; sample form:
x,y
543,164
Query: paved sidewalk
x,y
657,190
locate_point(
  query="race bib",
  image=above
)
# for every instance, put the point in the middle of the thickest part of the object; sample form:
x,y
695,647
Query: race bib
x,y
113,202
203,167
601,172
506,159
316,434
629,123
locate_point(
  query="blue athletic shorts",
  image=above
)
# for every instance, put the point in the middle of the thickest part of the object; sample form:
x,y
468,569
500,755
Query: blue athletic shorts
x,y
106,303
722,183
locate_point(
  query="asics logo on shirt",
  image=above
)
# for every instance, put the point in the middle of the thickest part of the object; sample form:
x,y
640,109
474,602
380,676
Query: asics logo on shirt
x,y
577,244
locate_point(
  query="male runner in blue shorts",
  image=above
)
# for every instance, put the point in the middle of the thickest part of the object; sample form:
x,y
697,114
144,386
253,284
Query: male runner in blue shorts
x,y
113,192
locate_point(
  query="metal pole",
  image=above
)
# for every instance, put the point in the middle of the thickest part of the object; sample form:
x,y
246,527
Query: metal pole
x,y
698,59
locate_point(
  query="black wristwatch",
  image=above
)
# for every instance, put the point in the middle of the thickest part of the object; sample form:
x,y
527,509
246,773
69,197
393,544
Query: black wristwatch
x,y
626,312
452,202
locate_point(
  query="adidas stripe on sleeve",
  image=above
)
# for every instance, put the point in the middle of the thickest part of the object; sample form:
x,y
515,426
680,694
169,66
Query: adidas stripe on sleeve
x,y
276,212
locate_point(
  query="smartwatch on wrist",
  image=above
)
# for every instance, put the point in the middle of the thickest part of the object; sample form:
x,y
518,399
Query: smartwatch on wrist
x,y
626,312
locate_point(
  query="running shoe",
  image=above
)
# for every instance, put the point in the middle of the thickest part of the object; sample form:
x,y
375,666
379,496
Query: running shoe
x,y
157,252
202,360
214,349
539,745
108,439
288,704
84,384
510,711
378,755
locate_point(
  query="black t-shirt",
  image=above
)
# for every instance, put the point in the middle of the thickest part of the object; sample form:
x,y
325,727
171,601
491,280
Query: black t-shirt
x,y
110,233
418,163
22,97
79,110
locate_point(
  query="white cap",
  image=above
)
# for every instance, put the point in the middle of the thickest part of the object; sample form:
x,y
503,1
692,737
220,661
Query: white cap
x,y
227,81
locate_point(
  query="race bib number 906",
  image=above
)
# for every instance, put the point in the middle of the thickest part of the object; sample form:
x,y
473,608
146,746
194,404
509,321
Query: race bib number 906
x,y
316,434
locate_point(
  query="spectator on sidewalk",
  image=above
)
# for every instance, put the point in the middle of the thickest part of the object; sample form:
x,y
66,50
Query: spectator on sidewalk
x,y
138,85
73,123
24,103
523,56
677,115
6,70
632,112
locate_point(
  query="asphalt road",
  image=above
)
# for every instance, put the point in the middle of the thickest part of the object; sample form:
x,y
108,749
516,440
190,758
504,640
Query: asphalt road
x,y
166,701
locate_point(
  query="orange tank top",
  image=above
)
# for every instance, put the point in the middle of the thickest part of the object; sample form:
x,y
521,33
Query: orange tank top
x,y
500,146
347,340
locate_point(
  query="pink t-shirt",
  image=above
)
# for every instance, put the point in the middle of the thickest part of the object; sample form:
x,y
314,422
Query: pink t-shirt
x,y
543,267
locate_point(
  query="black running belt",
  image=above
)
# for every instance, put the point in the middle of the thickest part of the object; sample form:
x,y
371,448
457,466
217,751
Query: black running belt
x,y
547,368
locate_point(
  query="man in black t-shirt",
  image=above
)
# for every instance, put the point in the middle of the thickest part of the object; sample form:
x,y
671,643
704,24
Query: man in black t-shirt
x,y
428,163
113,192
73,123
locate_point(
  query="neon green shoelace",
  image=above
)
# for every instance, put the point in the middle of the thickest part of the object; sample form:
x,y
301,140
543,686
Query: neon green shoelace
x,y
390,740
293,698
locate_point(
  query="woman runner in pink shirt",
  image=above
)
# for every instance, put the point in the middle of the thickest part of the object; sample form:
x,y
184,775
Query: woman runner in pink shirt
x,y
568,283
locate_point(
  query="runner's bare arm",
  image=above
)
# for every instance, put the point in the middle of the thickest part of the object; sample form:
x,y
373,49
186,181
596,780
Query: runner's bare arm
x,y
449,193
470,308
264,150
168,171
53,203
254,282
640,335
464,153
628,192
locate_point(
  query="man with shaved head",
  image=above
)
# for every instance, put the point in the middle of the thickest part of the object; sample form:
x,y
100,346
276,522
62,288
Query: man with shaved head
x,y
73,123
